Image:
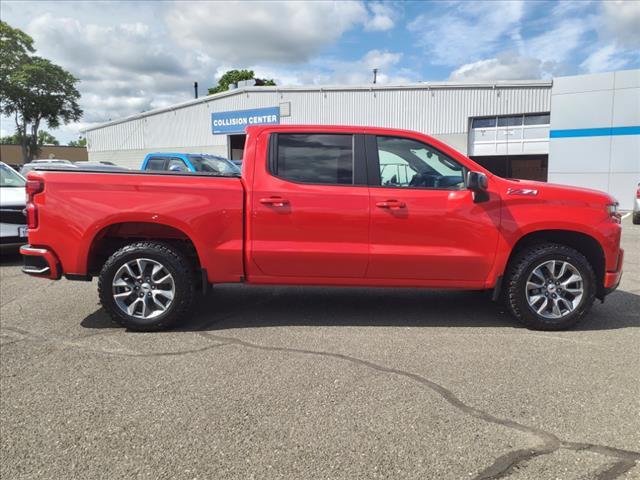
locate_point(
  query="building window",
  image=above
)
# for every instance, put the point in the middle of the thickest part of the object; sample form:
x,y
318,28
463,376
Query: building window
x,y
510,121
483,122
542,119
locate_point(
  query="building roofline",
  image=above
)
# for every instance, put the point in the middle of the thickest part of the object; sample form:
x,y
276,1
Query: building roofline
x,y
328,88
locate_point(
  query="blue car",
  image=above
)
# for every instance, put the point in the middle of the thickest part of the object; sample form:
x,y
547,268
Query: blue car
x,y
189,162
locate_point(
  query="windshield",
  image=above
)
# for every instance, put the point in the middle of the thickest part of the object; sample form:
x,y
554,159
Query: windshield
x,y
209,163
9,178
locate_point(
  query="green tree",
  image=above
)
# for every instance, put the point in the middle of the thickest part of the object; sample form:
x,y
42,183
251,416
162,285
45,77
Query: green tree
x,y
11,140
45,138
235,76
78,143
34,91
15,48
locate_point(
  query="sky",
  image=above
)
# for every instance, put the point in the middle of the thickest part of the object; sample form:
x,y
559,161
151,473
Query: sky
x,y
135,56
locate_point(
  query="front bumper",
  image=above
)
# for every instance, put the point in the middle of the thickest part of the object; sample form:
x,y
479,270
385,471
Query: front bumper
x,y
612,279
40,262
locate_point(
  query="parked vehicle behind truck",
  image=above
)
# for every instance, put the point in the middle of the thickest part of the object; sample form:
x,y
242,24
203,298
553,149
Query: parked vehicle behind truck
x,y
324,205
13,228
188,162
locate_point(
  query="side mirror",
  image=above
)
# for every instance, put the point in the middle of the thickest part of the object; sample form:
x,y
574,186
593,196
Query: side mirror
x,y
478,183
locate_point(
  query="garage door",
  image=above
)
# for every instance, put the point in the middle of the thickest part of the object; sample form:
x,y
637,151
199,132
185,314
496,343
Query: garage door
x,y
509,135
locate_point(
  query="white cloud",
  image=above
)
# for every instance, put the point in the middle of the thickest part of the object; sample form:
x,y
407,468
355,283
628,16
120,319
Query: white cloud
x,y
574,35
124,68
621,21
559,42
618,29
241,33
468,31
507,66
383,17
604,59
360,72
331,71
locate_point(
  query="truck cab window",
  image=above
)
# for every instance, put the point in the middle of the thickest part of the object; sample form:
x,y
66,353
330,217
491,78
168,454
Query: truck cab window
x,y
412,164
177,165
315,158
156,163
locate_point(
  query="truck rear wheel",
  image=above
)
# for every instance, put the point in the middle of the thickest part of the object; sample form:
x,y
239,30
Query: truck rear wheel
x,y
550,287
147,286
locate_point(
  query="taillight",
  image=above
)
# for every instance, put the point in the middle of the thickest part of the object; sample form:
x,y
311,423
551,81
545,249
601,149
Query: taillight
x,y
638,192
32,216
32,187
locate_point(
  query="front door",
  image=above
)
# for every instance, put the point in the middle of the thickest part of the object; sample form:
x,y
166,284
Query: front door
x,y
424,222
310,207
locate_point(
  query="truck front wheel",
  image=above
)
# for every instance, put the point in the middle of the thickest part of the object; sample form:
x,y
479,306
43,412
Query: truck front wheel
x,y
147,286
550,287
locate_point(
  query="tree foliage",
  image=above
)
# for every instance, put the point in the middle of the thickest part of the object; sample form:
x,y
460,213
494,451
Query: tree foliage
x,y
235,76
34,90
11,140
15,48
45,138
78,143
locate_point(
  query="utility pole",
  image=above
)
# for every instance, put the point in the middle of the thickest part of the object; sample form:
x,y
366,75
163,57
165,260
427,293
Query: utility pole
x,y
195,89
375,75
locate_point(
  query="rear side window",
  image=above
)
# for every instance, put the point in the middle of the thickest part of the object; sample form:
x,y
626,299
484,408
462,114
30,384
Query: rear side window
x,y
177,165
155,163
315,158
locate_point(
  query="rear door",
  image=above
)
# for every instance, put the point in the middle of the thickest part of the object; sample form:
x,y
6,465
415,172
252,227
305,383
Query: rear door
x,y
425,224
310,207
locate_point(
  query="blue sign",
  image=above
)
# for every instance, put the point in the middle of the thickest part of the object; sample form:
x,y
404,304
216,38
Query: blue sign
x,y
237,121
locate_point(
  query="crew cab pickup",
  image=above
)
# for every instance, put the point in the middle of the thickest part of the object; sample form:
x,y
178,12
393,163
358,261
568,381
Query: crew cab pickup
x,y
325,205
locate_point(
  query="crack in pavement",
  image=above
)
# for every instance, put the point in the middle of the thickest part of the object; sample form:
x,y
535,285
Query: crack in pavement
x,y
61,341
504,464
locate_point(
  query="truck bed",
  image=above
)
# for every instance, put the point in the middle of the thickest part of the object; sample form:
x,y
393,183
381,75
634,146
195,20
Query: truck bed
x,y
79,208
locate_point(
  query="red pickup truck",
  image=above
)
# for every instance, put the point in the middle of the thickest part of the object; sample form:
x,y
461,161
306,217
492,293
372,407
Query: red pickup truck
x,y
325,205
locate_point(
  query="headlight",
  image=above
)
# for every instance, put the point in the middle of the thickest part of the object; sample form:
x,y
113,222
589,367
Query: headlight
x,y
612,210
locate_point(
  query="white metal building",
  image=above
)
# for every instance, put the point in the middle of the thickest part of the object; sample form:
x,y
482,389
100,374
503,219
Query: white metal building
x,y
530,129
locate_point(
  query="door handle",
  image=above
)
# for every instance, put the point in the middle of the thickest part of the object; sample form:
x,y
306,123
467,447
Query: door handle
x,y
274,201
391,204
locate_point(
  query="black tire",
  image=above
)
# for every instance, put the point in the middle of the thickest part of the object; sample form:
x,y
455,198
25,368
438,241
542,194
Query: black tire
x,y
636,218
175,262
521,268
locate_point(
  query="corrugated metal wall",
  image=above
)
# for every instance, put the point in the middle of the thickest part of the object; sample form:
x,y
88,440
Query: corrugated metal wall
x,y
437,111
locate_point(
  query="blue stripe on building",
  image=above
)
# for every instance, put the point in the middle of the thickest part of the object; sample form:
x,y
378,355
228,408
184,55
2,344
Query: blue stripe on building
x,y
595,132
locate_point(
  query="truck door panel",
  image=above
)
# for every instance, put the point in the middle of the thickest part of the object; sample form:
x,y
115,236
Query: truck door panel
x,y
310,217
424,223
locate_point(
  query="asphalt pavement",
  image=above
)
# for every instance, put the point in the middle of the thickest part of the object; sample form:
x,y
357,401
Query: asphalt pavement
x,y
306,383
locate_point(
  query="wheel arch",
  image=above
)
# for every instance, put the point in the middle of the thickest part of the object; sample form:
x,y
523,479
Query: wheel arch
x,y
115,235
582,242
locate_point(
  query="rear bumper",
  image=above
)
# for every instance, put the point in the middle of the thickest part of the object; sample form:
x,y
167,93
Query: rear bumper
x,y
612,279
40,262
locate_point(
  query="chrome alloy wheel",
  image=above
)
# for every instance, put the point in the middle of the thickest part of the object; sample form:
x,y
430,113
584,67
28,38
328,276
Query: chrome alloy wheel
x,y
143,288
554,289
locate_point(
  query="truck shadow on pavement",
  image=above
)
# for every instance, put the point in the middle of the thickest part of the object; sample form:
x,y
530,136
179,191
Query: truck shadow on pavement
x,y
10,258
236,306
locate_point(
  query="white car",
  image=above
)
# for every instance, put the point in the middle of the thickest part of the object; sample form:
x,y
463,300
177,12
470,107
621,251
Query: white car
x,y
636,208
52,162
13,228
